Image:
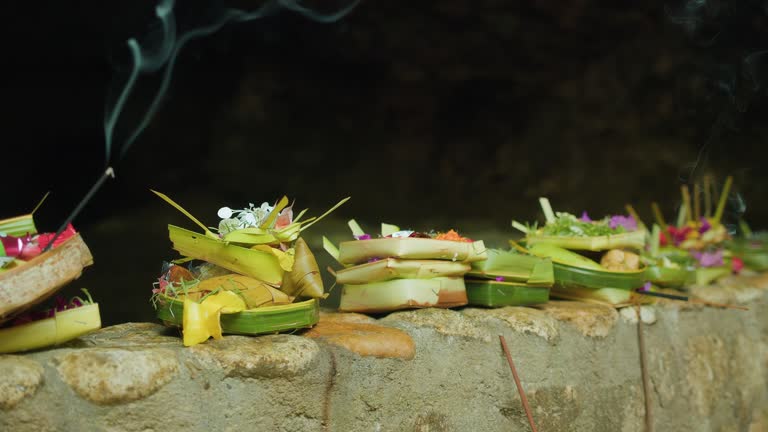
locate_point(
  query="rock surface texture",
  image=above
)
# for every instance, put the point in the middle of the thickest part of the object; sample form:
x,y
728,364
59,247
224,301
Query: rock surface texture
x,y
429,370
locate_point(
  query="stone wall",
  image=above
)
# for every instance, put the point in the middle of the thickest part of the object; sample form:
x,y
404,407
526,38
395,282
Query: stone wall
x,y
421,370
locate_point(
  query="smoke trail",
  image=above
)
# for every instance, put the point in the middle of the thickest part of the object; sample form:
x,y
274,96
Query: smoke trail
x,y
148,61
733,35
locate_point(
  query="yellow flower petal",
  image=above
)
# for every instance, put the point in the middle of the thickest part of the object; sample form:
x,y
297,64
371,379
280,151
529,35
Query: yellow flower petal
x,y
227,302
200,322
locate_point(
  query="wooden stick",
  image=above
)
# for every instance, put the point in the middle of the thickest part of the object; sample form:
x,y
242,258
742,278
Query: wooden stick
x,y
644,371
518,384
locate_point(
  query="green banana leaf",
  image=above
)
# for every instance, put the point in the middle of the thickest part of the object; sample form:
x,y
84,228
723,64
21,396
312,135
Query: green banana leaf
x,y
399,294
569,276
18,226
514,267
497,294
268,319
667,276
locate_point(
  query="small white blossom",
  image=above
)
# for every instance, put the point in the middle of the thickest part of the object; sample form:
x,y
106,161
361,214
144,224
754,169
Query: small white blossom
x,y
405,233
225,213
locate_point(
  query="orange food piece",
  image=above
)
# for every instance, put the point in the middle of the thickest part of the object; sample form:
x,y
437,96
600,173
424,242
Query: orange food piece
x,y
178,273
452,236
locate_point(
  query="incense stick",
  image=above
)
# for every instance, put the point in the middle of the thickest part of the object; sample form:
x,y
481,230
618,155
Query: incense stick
x,y
109,172
722,200
697,201
633,213
518,384
659,216
644,371
691,300
719,305
687,203
707,195
662,295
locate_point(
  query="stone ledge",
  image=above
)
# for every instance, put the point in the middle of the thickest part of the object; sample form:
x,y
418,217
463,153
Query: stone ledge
x,y
579,364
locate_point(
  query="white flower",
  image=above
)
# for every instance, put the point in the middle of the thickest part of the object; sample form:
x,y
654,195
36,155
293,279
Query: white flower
x,y
405,233
225,213
249,219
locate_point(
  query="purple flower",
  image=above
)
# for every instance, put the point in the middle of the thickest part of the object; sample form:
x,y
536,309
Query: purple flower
x,y
499,278
585,217
646,287
628,222
374,259
705,226
709,259
61,304
363,237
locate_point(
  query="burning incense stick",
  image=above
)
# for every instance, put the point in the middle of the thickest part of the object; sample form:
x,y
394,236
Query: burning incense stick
x,y
517,383
109,172
644,371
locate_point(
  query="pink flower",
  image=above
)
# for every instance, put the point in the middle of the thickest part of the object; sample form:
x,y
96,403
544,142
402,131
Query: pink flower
x,y
705,226
628,222
585,217
363,237
709,259
499,278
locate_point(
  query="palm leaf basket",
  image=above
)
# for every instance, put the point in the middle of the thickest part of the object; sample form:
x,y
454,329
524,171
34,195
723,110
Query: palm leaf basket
x,y
606,286
32,282
360,251
391,268
443,292
514,267
62,327
753,250
667,276
498,294
267,319
632,240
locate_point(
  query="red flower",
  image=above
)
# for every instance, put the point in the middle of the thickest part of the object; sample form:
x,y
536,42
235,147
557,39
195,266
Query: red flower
x,y
678,235
737,264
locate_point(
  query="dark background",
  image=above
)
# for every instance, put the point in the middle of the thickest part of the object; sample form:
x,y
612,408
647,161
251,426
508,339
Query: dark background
x,y
451,114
